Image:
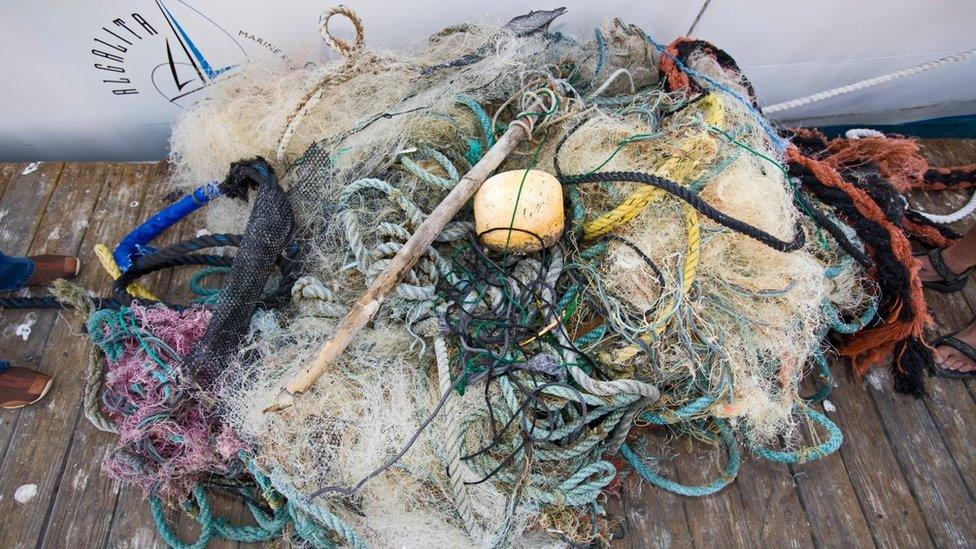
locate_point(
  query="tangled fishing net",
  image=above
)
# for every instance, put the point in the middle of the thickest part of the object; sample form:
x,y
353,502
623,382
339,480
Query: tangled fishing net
x,y
496,396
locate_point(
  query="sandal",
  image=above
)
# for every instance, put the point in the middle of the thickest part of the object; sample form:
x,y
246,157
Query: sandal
x,y
951,282
21,386
967,350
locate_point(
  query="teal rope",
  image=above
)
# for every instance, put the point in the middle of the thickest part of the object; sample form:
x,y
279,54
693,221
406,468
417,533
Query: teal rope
x,y
825,376
724,479
204,294
685,413
477,149
808,454
601,45
841,327
427,151
204,517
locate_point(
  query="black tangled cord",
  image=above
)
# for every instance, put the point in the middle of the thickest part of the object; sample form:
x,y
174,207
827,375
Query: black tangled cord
x,y
494,341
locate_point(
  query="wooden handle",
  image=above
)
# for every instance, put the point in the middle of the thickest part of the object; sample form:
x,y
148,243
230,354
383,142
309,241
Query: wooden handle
x,y
369,304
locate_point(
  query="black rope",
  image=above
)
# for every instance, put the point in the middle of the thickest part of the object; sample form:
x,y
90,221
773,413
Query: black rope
x,y
177,255
833,229
706,209
44,302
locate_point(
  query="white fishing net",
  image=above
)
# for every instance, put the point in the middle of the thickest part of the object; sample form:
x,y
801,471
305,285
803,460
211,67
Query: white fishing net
x,y
743,332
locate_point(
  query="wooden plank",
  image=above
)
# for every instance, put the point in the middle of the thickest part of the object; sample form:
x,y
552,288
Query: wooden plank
x,y
718,518
24,201
826,493
652,517
772,505
949,401
7,172
42,436
884,496
945,501
88,447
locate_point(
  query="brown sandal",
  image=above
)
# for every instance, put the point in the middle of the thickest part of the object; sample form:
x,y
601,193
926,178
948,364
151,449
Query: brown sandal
x,y
21,386
49,267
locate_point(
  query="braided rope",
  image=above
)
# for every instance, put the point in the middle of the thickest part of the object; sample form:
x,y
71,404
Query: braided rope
x,y
310,288
706,209
94,374
322,515
446,183
724,479
453,436
135,289
803,455
869,82
684,167
314,95
339,45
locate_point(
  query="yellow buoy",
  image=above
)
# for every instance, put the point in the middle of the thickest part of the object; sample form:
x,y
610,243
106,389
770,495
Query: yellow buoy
x,y
538,211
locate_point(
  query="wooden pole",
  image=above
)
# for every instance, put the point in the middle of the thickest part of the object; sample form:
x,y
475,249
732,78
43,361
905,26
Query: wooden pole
x,y
369,304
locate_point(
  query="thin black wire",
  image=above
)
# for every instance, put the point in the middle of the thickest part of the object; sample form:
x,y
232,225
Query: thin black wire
x,y
493,351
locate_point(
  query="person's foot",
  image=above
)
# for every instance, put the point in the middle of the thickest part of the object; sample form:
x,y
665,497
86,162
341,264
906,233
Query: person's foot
x,y
952,359
21,386
49,267
955,258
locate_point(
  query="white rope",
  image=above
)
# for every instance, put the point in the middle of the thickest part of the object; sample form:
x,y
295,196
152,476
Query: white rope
x,y
863,84
962,213
858,133
312,98
454,438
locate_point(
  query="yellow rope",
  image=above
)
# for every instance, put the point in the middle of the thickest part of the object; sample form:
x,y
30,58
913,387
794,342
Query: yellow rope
x,y
108,262
686,165
690,270
694,245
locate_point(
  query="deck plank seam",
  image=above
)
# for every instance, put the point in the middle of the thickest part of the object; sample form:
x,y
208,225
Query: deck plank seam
x,y
901,468
15,422
71,439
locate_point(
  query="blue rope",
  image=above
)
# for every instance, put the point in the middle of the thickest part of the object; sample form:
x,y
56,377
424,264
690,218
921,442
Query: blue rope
x,y
774,138
601,45
136,243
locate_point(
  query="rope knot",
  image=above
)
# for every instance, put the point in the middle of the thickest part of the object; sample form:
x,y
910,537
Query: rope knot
x,y
528,117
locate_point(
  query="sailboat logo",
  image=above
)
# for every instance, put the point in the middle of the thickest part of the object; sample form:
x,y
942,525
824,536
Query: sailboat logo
x,y
198,53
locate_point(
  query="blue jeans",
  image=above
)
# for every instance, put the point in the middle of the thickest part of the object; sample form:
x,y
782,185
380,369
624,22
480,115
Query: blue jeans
x,y
14,272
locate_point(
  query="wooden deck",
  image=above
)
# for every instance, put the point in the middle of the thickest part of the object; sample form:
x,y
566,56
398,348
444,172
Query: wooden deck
x,y
904,477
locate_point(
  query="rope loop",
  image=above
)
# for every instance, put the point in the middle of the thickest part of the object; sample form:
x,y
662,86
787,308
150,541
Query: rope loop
x,y
724,479
341,46
803,455
528,118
